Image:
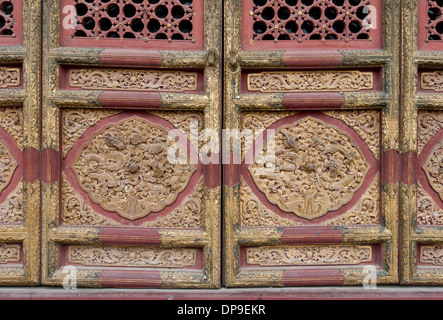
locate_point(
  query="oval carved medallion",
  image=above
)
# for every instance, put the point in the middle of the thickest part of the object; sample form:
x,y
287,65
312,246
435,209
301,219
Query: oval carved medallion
x,y
124,168
317,169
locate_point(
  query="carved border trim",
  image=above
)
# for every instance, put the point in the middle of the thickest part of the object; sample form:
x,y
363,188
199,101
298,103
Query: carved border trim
x,y
132,79
309,255
9,77
291,81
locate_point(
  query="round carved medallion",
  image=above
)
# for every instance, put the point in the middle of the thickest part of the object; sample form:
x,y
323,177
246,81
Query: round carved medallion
x,y
317,169
124,168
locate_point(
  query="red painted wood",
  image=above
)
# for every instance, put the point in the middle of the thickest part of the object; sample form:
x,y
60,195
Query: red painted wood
x,y
130,236
408,168
313,235
50,166
313,101
126,57
31,163
312,59
312,277
130,279
390,163
130,100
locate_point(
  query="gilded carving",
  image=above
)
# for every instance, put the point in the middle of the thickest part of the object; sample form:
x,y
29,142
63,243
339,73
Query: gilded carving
x,y
432,255
309,255
118,79
11,210
7,166
432,81
429,123
11,120
9,77
77,122
188,215
132,256
365,123
77,212
433,167
125,169
428,212
9,253
310,81
317,169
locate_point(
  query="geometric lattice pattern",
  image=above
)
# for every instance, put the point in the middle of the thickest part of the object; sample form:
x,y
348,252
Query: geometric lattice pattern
x,y
434,22
135,19
302,20
6,18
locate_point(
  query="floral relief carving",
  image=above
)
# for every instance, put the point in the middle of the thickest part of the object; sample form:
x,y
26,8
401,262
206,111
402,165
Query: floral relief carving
x,y
7,166
9,253
310,81
148,80
9,77
429,123
433,167
317,169
77,122
11,120
432,255
309,255
366,124
11,210
125,169
428,213
132,256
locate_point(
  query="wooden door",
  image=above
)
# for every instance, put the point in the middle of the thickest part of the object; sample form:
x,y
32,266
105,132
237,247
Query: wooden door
x,y
314,200
124,83
19,142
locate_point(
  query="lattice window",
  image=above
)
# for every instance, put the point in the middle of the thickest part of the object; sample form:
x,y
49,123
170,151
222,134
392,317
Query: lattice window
x,y
435,22
135,19
301,20
7,18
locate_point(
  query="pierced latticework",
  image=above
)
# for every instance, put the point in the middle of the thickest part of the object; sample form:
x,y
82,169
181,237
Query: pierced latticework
x,y
434,24
135,19
7,20
302,20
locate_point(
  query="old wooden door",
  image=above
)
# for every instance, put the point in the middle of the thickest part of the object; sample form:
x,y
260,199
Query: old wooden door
x,y
314,200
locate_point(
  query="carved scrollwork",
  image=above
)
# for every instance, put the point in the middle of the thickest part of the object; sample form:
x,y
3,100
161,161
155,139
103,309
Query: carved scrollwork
x,y
9,253
432,81
429,123
11,211
9,77
310,81
7,166
432,255
317,169
125,169
148,80
132,256
309,255
433,168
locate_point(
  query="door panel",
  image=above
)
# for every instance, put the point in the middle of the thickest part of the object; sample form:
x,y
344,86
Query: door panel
x,y
19,142
121,91
422,118
313,196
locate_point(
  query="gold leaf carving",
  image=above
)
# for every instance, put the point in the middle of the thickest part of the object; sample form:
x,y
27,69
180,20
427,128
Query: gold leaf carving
x,y
432,81
119,79
310,81
132,256
9,77
309,255
317,169
432,255
9,253
77,122
125,169
11,211
366,124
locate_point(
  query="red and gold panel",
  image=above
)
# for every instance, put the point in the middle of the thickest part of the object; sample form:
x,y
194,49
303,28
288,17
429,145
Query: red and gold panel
x,y
311,195
130,92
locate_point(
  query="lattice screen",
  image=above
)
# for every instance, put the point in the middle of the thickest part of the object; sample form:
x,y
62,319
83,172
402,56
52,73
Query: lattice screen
x,y
6,18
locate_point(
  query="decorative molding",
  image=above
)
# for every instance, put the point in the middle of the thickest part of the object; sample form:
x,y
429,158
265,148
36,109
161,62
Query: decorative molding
x,y
131,79
432,81
317,169
291,81
124,168
308,255
133,257
9,77
432,255
9,253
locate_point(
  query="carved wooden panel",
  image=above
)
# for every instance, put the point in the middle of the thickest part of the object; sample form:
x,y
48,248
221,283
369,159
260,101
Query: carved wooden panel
x,y
19,142
129,95
312,187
